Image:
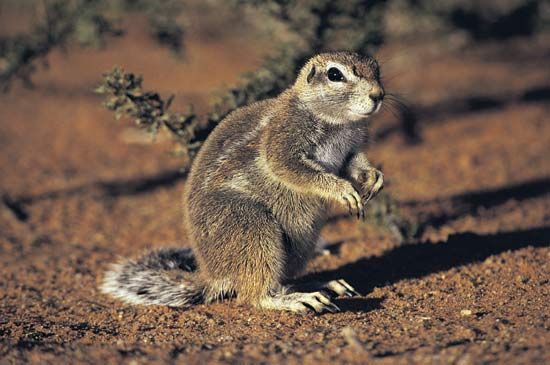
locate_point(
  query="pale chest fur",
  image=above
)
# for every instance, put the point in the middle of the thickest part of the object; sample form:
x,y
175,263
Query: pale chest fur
x,y
333,150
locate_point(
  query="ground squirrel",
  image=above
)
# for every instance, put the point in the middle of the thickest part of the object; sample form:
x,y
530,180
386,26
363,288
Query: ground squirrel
x,y
258,192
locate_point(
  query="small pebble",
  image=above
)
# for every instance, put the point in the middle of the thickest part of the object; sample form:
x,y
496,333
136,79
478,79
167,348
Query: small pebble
x,y
465,312
522,279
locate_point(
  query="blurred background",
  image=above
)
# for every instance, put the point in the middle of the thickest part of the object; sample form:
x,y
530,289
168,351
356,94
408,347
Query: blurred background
x,y
464,145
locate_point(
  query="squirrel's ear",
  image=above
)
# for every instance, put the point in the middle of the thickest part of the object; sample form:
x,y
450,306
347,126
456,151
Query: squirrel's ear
x,y
311,74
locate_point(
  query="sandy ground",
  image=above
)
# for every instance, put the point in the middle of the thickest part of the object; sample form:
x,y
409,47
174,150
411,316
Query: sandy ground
x,y
473,288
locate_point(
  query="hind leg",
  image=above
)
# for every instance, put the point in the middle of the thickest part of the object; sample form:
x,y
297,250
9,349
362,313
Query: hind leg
x,y
239,246
241,249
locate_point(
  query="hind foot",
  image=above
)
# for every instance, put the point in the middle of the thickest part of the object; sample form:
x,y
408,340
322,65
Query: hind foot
x,y
300,302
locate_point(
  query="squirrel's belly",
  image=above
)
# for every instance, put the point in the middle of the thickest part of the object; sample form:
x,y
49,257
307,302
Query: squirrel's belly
x,y
299,215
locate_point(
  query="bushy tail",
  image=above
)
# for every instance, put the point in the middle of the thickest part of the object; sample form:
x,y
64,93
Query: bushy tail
x,y
164,277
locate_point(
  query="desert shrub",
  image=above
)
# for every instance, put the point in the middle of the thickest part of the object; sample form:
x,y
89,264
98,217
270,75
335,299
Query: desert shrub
x,y
86,22
149,110
477,20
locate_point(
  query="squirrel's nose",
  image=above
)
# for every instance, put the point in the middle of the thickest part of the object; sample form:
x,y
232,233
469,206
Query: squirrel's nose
x,y
377,94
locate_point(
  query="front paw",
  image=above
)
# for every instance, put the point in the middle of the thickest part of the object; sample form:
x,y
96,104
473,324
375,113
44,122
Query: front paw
x,y
349,197
372,183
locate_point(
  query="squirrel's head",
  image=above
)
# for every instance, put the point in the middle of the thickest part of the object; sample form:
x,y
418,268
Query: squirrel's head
x,y
340,87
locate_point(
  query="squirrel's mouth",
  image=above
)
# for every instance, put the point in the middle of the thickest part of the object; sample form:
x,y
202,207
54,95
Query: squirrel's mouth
x,y
373,109
364,114
367,113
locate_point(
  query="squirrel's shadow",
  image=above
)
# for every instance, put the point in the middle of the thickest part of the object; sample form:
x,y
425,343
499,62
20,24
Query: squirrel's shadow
x,y
417,260
361,304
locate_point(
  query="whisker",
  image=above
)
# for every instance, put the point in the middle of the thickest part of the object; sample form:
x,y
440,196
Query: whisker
x,y
397,101
391,109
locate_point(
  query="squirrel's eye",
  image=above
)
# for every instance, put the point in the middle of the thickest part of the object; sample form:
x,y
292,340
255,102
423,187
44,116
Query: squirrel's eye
x,y
335,74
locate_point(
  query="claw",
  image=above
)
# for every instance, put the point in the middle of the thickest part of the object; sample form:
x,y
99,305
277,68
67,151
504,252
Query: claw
x,y
372,185
335,308
349,287
341,287
332,308
330,292
349,205
369,197
327,304
358,205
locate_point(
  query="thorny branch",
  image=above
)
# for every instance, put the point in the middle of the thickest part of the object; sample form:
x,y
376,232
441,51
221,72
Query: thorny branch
x,y
149,111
